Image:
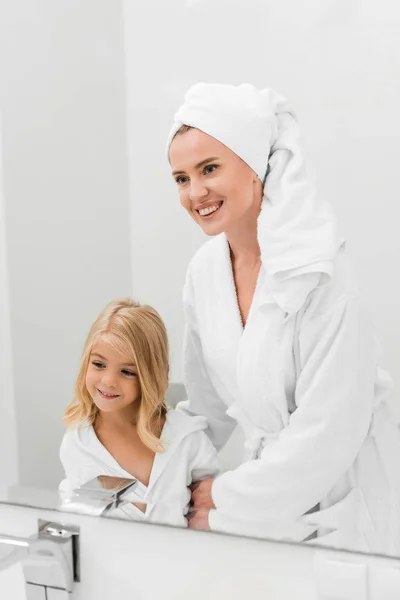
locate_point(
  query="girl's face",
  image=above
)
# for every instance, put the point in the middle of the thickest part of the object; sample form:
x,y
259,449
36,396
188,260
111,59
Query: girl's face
x,y
216,187
111,378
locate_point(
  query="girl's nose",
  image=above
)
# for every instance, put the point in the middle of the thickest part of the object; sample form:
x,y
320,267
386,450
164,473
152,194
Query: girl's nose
x,y
108,380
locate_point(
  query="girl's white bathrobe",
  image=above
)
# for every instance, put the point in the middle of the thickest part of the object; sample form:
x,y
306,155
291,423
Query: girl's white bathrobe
x,y
189,456
303,382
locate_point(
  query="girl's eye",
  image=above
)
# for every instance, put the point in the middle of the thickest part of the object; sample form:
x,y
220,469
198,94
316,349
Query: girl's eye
x,y
97,364
128,373
210,168
181,179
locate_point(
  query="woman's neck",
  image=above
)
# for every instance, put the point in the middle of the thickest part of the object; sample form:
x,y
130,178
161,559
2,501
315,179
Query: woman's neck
x,y
243,242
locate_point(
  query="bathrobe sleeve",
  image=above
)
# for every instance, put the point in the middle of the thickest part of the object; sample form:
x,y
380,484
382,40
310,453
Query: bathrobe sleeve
x,y
205,462
202,397
334,396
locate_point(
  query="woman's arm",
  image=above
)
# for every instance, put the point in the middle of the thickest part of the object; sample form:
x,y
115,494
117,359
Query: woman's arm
x,y
202,397
334,395
205,466
205,463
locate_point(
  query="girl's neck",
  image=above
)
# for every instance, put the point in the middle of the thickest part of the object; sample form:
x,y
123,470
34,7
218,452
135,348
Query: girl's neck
x,y
120,420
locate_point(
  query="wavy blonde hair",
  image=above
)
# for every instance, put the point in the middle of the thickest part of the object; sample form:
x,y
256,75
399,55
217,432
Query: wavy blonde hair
x,y
139,333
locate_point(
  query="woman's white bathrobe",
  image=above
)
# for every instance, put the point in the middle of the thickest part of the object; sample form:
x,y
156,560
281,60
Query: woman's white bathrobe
x,y
307,345
189,456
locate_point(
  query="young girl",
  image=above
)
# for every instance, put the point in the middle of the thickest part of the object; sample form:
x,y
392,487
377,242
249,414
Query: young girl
x,y
119,424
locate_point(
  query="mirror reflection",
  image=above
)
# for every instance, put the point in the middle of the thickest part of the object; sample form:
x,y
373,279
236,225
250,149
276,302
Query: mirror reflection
x,y
120,426
196,332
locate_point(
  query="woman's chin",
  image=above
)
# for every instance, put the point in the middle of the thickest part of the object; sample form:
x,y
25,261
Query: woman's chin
x,y
212,233
212,228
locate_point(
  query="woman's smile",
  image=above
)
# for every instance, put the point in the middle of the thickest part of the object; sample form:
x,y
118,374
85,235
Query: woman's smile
x,y
209,211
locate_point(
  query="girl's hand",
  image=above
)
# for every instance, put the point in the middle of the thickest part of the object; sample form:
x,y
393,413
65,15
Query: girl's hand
x,y
198,519
201,495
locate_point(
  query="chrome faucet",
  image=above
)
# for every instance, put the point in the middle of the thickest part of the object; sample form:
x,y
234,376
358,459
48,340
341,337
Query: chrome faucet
x,y
100,495
50,560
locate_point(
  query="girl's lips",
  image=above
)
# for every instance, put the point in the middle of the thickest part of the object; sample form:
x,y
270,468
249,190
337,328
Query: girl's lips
x,y
108,397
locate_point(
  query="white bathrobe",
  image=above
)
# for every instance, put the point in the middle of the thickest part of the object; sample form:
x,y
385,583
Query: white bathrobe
x,y
189,456
303,381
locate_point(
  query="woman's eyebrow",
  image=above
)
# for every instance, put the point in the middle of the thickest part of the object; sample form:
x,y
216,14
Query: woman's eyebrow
x,y
199,165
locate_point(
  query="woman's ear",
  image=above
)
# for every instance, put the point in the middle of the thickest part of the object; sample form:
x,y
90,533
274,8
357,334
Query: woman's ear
x,y
258,185
258,192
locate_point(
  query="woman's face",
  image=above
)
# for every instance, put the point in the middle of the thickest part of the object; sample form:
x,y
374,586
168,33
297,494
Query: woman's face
x,y
216,187
111,378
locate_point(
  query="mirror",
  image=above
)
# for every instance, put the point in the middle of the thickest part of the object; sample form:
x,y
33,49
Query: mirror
x,y
90,212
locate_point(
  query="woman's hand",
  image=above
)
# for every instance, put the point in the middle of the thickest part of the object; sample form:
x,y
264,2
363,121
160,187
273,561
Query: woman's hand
x,y
201,495
198,519
201,504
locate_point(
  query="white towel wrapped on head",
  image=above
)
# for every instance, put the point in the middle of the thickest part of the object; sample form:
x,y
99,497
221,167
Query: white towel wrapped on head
x,y
297,230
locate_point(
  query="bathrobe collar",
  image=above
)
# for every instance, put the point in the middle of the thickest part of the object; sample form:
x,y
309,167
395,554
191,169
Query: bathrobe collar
x,y
178,425
292,267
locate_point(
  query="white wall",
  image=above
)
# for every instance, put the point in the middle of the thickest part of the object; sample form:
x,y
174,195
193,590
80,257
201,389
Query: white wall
x,y
8,429
65,167
337,62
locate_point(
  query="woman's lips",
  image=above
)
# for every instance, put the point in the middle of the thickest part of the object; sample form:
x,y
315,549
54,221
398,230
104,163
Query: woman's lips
x,y
210,215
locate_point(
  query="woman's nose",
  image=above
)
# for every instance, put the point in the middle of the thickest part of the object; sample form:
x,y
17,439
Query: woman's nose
x,y
197,190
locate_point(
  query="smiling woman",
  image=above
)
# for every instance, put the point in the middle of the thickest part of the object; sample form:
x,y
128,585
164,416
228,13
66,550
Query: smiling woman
x,y
277,337
215,185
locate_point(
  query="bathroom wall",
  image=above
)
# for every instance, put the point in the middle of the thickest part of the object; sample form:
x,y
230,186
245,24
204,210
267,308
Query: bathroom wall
x,y
8,429
66,202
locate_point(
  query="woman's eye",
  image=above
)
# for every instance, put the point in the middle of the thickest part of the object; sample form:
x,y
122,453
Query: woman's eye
x,y
210,168
97,364
128,373
180,180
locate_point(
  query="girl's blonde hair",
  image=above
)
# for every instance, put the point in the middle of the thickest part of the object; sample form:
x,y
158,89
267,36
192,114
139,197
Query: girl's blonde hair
x,y
139,333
